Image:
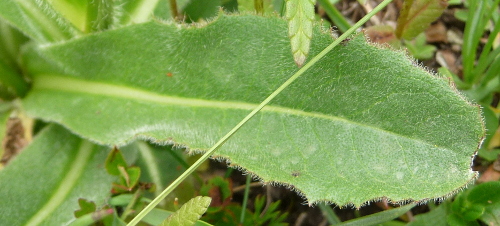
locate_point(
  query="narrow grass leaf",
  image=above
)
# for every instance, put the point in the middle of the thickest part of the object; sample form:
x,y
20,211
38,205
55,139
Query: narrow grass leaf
x,y
340,22
477,19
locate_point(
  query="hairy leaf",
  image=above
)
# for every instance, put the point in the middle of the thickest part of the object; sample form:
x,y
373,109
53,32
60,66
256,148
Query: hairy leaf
x,y
300,16
37,19
44,183
361,124
416,16
189,213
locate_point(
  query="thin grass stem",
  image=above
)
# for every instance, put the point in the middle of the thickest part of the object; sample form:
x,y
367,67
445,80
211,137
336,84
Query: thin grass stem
x,y
245,199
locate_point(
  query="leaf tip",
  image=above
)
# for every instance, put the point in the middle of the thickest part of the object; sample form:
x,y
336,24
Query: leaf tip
x,y
299,59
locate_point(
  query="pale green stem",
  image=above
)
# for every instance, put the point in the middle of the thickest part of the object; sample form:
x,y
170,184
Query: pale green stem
x,y
329,214
245,199
128,210
211,151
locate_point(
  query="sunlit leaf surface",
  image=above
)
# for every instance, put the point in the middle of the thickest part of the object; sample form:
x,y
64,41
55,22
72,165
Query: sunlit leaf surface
x,y
362,124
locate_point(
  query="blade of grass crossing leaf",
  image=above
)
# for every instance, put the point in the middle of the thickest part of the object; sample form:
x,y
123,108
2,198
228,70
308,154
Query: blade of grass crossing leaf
x,y
335,15
219,143
378,218
300,16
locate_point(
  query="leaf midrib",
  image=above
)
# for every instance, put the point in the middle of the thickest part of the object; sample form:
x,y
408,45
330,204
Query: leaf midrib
x,y
66,185
64,83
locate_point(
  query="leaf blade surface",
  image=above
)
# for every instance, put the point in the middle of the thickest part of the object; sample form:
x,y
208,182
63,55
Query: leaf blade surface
x,y
38,194
362,124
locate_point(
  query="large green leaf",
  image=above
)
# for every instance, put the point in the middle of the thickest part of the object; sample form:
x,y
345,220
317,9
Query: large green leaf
x,y
43,184
363,123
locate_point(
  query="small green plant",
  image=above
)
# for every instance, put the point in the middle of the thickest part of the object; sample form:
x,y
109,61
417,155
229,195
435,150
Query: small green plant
x,y
478,203
230,214
419,48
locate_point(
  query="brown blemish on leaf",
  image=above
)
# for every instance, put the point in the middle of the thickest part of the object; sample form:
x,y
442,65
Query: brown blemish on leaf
x,y
14,140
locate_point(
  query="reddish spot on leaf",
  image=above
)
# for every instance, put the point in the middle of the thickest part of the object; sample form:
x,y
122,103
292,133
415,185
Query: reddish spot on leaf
x,y
169,74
